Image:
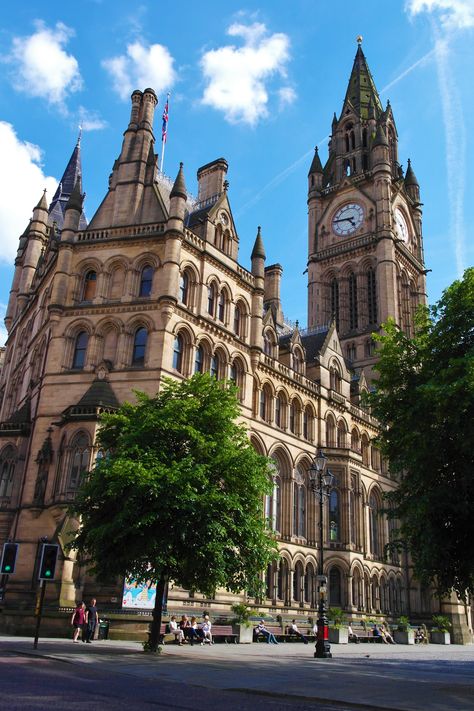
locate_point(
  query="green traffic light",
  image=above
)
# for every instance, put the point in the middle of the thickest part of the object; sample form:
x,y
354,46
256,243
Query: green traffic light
x,y
47,573
8,568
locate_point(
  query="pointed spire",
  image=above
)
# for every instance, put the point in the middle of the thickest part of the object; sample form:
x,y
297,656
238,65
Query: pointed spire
x,y
361,88
43,203
380,137
71,175
179,187
76,198
316,166
410,177
258,250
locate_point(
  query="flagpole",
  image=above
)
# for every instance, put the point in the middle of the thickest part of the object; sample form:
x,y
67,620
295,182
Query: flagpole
x,y
164,133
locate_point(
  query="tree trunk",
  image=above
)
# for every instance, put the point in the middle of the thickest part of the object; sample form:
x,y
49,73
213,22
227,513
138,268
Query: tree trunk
x,y
155,626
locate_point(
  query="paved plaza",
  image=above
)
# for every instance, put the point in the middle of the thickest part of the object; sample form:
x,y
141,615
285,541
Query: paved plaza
x,y
366,676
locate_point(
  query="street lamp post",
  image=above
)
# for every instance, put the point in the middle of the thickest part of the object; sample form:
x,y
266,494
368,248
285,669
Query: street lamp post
x,y
321,481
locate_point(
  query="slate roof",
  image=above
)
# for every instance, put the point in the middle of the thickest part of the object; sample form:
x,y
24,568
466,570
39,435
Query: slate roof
x,y
71,175
100,394
312,343
361,90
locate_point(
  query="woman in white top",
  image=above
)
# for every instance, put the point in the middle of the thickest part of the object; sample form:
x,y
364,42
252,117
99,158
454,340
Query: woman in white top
x,y
178,633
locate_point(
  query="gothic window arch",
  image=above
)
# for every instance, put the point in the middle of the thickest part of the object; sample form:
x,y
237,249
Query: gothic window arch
x,y
372,296
353,302
355,441
178,352
352,517
295,412
8,459
222,306
330,431
334,291
199,355
334,516
282,579
298,576
335,378
365,450
140,339
375,525
89,286
80,350
309,585
79,460
335,587
308,423
237,376
146,281
266,403
351,351
280,410
117,279
341,434
211,299
269,343
297,358
299,503
184,288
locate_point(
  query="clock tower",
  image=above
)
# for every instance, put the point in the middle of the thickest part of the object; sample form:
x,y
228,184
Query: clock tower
x,y
365,249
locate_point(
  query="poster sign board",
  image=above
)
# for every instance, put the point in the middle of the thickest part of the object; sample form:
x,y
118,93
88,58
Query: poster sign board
x,y
138,596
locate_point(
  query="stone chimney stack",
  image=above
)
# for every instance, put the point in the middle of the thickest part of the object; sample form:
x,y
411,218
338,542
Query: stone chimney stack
x,y
211,179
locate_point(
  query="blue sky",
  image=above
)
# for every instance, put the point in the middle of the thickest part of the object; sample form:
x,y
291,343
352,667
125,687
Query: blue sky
x,y
256,83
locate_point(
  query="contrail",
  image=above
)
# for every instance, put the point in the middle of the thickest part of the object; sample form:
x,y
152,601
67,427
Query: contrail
x,y
280,177
455,132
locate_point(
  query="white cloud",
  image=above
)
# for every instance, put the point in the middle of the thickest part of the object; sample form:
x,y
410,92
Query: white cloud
x,y
287,95
141,67
42,68
453,14
237,77
22,182
91,120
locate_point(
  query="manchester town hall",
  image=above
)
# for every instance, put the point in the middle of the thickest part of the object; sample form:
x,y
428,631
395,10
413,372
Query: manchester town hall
x,y
152,287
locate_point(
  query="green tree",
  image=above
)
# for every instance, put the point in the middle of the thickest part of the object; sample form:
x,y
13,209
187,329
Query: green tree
x,y
425,402
179,495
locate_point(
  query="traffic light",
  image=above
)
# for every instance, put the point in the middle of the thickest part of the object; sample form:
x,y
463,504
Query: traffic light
x,y
49,556
9,554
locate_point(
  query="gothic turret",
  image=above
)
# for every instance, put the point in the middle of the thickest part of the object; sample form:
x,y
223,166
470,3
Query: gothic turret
x,y
411,183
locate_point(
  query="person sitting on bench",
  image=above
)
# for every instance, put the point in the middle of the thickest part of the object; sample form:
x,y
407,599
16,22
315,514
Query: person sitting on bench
x,y
261,629
293,629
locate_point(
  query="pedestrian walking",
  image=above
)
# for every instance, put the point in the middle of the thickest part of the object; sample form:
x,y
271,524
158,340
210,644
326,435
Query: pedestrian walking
x,y
92,619
78,620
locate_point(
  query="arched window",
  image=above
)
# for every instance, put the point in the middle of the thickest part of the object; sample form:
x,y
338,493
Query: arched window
x,y
299,506
293,417
80,350
354,440
335,592
330,432
139,346
334,516
353,305
335,301
341,434
335,379
178,348
372,296
364,138
184,288
278,411
375,542
221,307
269,581
309,579
214,367
351,351
211,299
268,343
282,579
238,320
199,360
78,462
7,472
90,284
308,423
146,281
352,516
298,576
297,361
365,450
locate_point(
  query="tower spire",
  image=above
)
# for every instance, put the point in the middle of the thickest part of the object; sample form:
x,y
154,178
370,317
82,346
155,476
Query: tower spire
x,y
71,176
361,90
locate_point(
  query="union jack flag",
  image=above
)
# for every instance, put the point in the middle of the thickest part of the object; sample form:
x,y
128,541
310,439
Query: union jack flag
x,y
164,128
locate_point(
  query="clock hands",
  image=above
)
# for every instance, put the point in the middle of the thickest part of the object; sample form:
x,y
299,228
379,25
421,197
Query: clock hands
x,y
345,219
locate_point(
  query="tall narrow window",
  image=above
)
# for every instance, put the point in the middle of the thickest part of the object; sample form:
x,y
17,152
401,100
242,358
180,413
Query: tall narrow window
x,y
364,138
214,369
237,320
139,346
267,344
79,461
221,307
293,418
263,403
7,472
279,411
146,281
306,424
335,301
334,515
184,288
353,305
80,350
352,516
178,353
335,597
199,360
211,299
374,526
372,296
90,284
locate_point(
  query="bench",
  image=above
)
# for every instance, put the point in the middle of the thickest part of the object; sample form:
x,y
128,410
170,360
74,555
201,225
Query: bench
x,y
220,633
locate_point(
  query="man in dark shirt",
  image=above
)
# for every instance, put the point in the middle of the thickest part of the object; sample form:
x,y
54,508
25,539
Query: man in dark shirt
x,y
92,618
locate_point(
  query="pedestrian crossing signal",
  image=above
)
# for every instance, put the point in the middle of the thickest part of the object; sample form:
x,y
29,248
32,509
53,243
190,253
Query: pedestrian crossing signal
x,y
9,554
49,557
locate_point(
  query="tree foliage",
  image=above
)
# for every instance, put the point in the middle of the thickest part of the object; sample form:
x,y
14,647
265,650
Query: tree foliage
x,y
179,495
425,403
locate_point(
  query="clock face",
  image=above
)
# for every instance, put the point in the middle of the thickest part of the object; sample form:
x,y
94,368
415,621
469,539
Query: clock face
x,y
224,219
348,219
401,227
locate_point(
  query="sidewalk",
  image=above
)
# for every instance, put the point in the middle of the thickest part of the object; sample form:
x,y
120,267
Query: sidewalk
x,y
368,676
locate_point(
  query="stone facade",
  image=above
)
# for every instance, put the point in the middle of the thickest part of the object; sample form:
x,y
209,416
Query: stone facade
x,y
152,287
